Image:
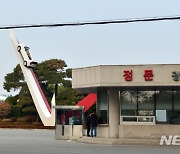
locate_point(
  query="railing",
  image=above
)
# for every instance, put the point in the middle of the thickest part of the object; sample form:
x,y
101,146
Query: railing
x,y
137,120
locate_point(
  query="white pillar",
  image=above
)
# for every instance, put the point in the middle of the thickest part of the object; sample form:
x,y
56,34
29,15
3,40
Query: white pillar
x,y
114,113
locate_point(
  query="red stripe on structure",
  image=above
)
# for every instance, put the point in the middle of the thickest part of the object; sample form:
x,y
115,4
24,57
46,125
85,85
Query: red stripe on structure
x,y
41,92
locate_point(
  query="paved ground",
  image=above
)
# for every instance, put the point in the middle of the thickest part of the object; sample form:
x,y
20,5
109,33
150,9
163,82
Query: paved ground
x,y
19,141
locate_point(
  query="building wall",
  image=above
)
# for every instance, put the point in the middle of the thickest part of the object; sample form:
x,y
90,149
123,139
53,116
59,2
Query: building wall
x,y
147,131
140,131
99,76
103,131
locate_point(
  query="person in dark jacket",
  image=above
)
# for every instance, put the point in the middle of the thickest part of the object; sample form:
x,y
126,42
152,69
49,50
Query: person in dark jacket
x,y
88,122
94,123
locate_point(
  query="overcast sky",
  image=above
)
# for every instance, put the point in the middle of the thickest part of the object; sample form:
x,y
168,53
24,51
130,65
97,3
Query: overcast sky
x,y
117,44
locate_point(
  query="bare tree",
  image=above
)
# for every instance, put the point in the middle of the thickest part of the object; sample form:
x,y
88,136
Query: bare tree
x,y
5,109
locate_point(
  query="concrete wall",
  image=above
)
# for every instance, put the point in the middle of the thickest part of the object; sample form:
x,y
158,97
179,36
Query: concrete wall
x,y
147,131
125,131
140,131
77,131
70,131
114,113
103,131
58,132
98,76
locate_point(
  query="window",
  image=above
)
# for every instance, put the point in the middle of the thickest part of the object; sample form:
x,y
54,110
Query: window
x,y
69,117
146,103
60,117
164,104
176,107
128,101
164,110
102,106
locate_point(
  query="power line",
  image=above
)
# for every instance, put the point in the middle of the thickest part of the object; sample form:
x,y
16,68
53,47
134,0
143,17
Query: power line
x,y
91,23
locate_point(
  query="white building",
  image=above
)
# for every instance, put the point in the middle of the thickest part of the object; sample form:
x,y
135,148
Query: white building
x,y
133,101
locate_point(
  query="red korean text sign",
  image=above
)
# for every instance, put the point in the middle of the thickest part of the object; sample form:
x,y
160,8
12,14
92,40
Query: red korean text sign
x,y
128,75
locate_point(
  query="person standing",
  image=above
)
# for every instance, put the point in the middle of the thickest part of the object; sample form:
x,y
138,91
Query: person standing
x,y
94,123
88,122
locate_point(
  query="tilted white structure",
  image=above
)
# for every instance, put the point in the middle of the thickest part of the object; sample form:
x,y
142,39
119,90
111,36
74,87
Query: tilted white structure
x,y
46,113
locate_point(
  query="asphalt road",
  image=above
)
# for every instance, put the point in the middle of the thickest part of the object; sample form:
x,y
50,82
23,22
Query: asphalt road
x,y
19,141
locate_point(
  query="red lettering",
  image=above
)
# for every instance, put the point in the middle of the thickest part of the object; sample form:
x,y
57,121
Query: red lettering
x,y
128,75
148,75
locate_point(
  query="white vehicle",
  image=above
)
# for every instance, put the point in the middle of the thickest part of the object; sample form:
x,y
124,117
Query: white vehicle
x,y
26,56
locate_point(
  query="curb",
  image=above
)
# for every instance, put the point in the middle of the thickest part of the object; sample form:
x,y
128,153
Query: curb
x,y
108,141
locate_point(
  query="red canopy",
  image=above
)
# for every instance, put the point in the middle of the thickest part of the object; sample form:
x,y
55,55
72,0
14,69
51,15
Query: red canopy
x,y
87,102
